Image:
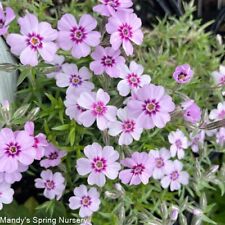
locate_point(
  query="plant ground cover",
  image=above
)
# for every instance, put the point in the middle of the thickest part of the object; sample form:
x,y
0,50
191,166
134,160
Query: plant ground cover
x,y
170,43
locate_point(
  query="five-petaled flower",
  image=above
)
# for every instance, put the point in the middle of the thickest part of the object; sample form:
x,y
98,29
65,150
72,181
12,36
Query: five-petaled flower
x,y
151,105
111,7
53,184
6,17
140,169
96,108
15,147
175,176
78,37
178,142
100,162
124,29
86,200
73,78
127,126
36,39
132,78
106,60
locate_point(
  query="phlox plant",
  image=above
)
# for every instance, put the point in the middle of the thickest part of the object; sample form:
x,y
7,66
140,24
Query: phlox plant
x,y
112,122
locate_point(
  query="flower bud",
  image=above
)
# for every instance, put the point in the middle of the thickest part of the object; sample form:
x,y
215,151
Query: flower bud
x,y
111,195
174,213
119,188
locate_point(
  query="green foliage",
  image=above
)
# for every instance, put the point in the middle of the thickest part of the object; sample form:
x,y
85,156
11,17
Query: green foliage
x,y
171,42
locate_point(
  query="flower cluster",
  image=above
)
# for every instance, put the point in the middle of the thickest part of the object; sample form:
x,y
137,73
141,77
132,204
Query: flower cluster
x,y
18,150
143,107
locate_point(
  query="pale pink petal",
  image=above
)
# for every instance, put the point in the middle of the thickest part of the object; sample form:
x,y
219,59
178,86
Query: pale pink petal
x,y
165,182
48,51
74,202
83,166
29,57
128,47
67,22
125,176
64,40
17,43
96,178
46,31
87,118
123,88
28,24
80,50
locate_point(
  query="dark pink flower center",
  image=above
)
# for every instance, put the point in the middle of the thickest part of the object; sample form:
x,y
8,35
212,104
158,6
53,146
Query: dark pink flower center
x,y
34,41
138,169
99,164
99,108
2,23
222,80
182,76
113,3
108,61
75,80
151,107
81,109
128,126
53,156
125,31
78,34
85,201
222,114
133,80
13,149
50,184
36,142
174,175
178,143
159,162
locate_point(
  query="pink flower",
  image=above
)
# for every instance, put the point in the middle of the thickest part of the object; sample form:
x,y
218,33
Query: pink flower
x,y
175,176
73,110
15,148
106,60
111,7
6,17
96,109
53,184
151,106
183,74
140,169
13,177
57,63
53,156
220,137
132,78
219,76
197,141
191,111
74,79
219,113
86,200
100,162
160,162
124,29
78,36
37,38
6,196
178,142
40,141
128,127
